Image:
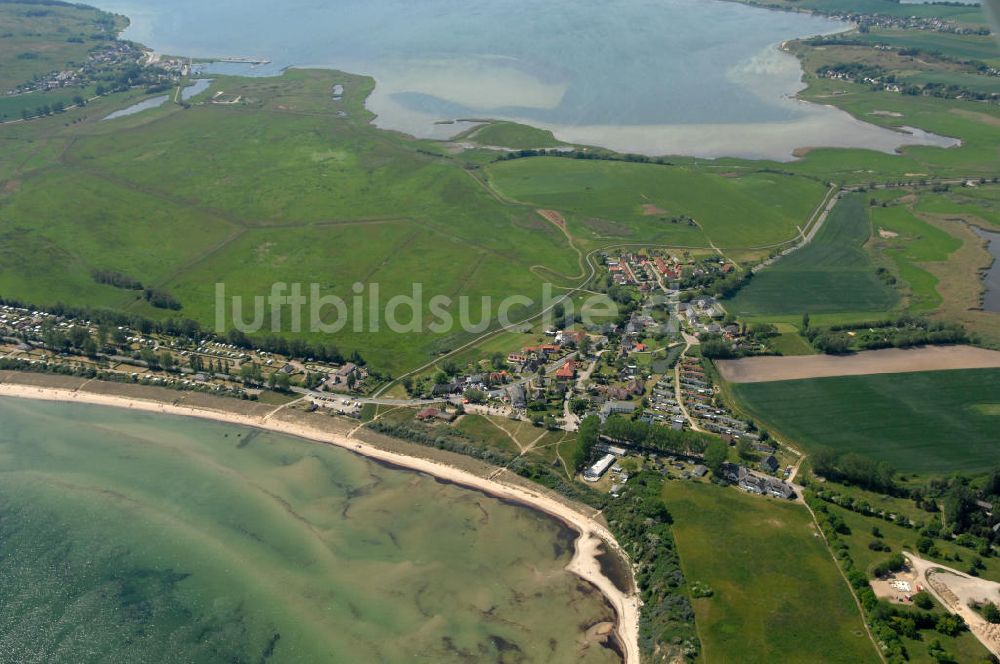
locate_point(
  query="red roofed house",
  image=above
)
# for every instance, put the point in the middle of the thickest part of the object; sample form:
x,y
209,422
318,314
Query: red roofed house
x,y
567,371
428,414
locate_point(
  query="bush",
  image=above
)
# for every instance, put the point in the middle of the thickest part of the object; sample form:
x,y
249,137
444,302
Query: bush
x,y
894,563
991,613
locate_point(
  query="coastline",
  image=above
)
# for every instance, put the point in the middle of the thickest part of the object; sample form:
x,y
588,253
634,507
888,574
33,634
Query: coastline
x,y
591,535
821,125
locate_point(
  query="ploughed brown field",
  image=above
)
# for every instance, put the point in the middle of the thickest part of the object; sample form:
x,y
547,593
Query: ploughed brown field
x,y
890,360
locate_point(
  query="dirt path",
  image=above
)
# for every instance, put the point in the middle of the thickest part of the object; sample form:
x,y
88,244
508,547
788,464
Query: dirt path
x,y
688,342
955,590
887,361
509,435
843,575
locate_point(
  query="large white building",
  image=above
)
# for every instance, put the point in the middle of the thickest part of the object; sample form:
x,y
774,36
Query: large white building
x,y
594,473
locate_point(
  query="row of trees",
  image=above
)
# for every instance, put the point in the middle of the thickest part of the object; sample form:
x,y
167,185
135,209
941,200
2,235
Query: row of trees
x,y
853,468
636,433
902,332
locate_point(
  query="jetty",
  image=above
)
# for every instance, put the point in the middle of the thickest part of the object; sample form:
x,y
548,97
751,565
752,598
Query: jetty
x,y
245,61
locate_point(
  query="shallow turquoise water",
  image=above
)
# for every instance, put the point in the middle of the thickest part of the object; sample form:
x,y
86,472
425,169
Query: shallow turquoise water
x,y
132,537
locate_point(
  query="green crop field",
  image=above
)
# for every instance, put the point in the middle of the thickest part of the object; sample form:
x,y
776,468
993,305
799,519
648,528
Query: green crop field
x,y
973,47
628,202
777,594
832,274
925,422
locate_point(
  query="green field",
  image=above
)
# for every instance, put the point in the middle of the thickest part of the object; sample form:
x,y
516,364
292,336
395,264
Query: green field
x,y
925,422
832,274
981,204
612,201
963,47
289,185
777,594
283,188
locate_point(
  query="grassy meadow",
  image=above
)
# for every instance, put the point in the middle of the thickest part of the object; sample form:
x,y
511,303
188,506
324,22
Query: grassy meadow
x,y
628,202
291,186
511,135
910,243
924,422
279,188
776,591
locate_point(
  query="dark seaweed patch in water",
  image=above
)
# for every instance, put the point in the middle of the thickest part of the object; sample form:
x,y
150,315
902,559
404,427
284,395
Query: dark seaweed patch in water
x,y
269,649
564,542
615,569
248,438
508,652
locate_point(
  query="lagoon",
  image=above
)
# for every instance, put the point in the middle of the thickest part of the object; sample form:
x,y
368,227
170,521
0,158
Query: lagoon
x,y
991,277
144,105
698,77
129,536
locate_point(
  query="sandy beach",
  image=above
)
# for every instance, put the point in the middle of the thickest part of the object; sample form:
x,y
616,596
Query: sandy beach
x,y
592,535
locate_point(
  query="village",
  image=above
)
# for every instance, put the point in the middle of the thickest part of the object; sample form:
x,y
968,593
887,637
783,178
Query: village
x,y
646,367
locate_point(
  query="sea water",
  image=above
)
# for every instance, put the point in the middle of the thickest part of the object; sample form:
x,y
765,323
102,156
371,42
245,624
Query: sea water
x,y
698,77
138,537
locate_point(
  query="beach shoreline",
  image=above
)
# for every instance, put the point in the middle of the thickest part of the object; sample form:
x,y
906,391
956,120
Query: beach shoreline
x,y
591,535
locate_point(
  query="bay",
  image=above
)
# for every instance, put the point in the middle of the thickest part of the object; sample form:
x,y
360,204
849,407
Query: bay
x,y
128,536
694,77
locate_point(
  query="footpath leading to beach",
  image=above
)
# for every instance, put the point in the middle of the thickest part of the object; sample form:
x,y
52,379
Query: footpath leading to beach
x,y
593,538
